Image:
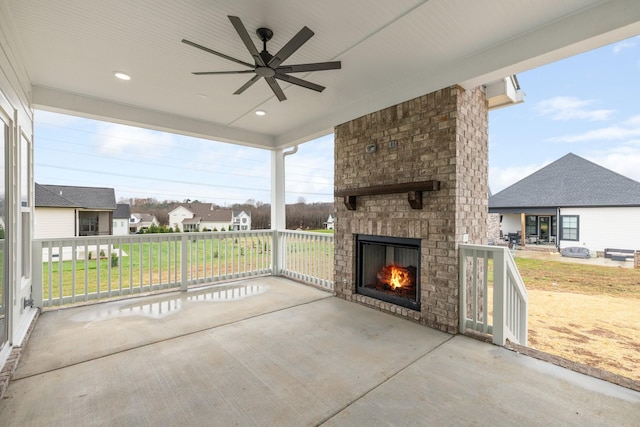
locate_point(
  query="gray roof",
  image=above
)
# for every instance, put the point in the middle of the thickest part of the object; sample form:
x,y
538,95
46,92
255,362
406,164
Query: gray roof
x,y
144,218
66,196
123,211
207,212
44,197
570,181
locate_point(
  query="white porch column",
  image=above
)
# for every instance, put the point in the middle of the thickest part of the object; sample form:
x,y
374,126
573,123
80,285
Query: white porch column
x,y
278,220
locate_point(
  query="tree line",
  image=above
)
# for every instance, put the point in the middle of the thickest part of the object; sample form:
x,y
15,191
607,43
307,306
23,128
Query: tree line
x,y
306,216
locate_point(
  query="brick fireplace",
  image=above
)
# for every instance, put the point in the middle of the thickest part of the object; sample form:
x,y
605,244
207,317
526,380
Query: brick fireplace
x,y
417,172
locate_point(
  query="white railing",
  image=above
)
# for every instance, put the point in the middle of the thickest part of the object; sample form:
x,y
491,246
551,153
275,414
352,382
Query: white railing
x,y
81,269
307,257
493,298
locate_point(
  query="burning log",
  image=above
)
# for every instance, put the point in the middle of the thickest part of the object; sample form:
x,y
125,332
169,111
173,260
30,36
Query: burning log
x,y
395,276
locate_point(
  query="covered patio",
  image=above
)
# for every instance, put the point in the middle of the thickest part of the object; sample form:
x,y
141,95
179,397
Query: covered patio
x,y
270,351
416,82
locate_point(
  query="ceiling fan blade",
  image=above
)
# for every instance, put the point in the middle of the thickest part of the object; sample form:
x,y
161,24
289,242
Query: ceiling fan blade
x,y
222,55
246,39
294,44
299,82
301,68
275,87
247,85
205,73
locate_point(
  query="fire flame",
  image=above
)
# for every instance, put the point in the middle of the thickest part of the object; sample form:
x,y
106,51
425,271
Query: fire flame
x,y
395,276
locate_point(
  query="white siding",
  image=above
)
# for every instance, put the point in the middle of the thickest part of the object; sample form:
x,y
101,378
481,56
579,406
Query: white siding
x,y
16,109
120,227
53,223
601,228
177,215
243,220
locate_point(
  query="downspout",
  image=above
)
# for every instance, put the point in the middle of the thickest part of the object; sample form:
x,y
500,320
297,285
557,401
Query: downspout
x,y
558,228
291,152
278,207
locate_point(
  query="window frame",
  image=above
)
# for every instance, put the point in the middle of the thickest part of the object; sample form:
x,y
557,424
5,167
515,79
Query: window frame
x,y
563,228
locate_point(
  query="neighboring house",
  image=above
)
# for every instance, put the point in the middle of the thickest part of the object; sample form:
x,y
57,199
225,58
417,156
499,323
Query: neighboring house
x,y
68,211
121,217
572,202
329,223
196,216
139,222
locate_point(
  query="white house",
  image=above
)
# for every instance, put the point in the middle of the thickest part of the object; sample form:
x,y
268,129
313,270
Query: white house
x,y
121,219
329,223
68,211
196,216
141,221
572,202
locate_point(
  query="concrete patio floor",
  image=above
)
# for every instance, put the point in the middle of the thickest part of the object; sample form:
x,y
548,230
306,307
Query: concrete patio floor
x,y
272,352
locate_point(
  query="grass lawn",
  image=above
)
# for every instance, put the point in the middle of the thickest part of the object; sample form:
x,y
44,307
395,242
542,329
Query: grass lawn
x,y
588,314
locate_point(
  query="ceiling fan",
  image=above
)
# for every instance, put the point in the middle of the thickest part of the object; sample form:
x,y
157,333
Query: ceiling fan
x,y
267,65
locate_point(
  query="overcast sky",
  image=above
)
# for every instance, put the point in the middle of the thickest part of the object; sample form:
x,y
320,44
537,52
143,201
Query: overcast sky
x,y
587,105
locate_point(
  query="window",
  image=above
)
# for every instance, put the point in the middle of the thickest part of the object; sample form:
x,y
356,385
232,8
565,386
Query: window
x,y
25,185
569,227
531,224
89,226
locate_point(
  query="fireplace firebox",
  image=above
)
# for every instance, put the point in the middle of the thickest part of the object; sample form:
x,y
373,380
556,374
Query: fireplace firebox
x,y
388,268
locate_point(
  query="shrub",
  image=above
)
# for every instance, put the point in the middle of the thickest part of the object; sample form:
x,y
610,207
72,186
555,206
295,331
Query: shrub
x,y
114,260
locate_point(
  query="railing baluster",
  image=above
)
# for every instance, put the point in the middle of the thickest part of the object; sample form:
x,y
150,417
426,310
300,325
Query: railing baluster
x,y
509,294
153,260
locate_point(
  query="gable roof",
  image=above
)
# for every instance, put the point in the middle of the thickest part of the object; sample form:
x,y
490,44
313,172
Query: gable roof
x,y
47,198
123,211
75,197
144,218
207,212
570,181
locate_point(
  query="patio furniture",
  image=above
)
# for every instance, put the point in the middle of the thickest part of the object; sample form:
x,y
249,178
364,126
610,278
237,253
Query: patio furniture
x,y
576,252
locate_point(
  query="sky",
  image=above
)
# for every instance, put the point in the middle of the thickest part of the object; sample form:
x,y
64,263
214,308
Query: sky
x,y
587,105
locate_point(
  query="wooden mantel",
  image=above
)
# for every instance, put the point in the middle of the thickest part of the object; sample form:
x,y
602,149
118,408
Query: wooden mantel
x,y
413,189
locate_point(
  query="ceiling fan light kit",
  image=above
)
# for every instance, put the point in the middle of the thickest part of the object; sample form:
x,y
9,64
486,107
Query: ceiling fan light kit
x,y
269,66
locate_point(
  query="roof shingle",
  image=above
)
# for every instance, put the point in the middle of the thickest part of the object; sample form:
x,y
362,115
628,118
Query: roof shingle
x,y
570,181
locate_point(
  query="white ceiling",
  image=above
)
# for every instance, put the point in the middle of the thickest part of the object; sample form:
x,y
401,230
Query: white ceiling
x,y
391,51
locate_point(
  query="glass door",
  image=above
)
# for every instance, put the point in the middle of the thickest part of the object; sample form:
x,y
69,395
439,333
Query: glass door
x,y
545,228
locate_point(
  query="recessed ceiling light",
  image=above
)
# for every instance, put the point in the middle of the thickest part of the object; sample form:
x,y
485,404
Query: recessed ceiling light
x,y
122,76
202,96
260,113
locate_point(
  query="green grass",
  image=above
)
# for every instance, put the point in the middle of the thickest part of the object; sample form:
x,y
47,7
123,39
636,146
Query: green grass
x,y
141,263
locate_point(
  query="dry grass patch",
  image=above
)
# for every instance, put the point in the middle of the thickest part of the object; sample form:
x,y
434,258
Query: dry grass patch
x,y
588,314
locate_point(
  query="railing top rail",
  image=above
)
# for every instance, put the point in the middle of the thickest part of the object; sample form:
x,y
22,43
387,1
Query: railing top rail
x,y
488,248
224,233
155,236
306,233
516,273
